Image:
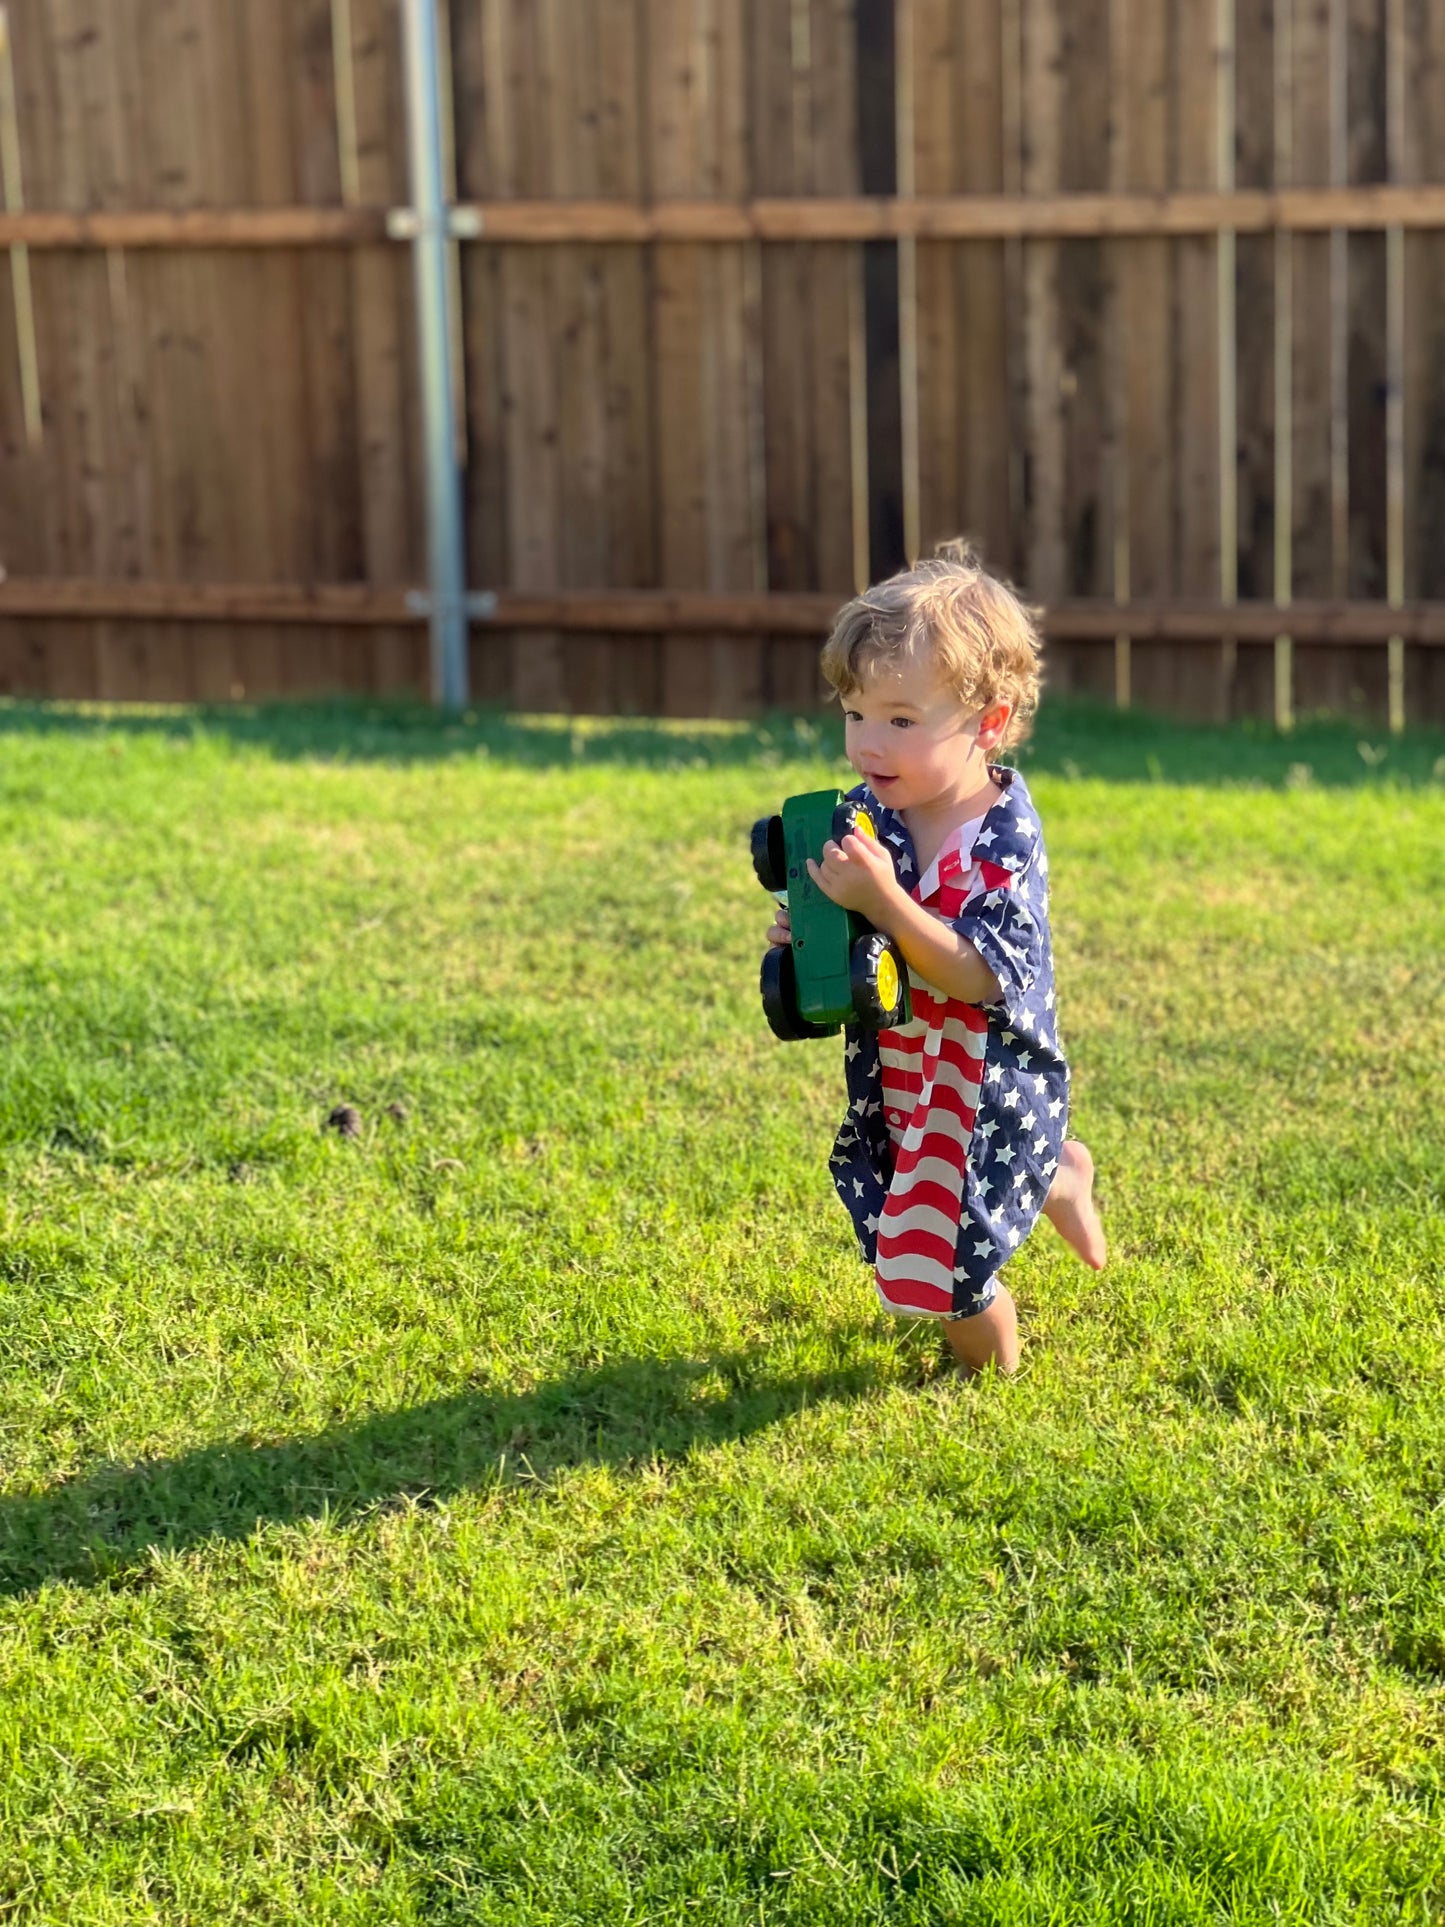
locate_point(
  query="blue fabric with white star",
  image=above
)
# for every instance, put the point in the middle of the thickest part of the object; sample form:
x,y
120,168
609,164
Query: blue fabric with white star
x,y
1023,1108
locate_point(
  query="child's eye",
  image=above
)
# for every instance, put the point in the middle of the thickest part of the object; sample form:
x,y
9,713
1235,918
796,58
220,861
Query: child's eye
x,y
902,722
852,716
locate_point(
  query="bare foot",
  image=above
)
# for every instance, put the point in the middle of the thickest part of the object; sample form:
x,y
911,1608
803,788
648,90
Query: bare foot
x,y
988,1338
1069,1207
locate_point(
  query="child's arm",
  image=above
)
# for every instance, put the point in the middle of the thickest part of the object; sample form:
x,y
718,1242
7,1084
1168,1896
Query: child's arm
x,y
859,874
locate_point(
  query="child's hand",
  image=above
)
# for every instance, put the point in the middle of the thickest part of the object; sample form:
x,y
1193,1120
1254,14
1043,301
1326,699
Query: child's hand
x,y
781,931
858,874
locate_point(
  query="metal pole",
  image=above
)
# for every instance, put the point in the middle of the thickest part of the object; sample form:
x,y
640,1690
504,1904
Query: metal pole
x,y
446,555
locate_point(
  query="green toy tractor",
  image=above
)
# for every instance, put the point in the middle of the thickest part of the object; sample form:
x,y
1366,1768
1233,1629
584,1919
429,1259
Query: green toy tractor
x,y
838,969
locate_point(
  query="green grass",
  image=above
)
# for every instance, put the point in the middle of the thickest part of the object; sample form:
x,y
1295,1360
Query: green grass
x,y
522,1513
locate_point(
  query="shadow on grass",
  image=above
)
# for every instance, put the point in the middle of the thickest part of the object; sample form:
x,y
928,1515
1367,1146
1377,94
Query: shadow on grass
x,y
637,1411
1071,739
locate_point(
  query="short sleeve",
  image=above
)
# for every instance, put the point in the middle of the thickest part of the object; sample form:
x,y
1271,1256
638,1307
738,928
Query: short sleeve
x,y
1001,916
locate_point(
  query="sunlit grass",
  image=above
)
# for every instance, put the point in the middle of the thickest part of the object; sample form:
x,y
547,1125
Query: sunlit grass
x,y
522,1513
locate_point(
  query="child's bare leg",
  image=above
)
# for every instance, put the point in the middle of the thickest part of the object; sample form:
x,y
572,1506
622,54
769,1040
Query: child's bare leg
x,y
988,1337
1069,1207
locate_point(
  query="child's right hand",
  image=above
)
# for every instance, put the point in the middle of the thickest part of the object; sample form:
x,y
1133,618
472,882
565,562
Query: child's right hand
x,y
781,930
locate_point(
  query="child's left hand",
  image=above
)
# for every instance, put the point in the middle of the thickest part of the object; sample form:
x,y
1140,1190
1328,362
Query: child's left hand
x,y
858,874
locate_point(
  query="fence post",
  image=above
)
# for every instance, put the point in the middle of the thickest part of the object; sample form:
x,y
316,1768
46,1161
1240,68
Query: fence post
x,y
428,227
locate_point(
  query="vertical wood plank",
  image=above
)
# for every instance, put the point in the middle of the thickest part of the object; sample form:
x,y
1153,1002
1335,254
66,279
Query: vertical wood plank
x,y
1397,165
1196,684
567,61
934,84
1284,308
269,660
22,646
877,107
1254,348
1363,376
71,314
905,135
1144,448
335,542
1084,166
965,431
1423,158
1313,340
485,167
707,390
392,541
802,141
630,483
43,116
1042,97
530,404
1227,341
738,551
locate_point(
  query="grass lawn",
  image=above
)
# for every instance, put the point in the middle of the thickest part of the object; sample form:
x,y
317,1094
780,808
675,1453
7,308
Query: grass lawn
x,y
521,1512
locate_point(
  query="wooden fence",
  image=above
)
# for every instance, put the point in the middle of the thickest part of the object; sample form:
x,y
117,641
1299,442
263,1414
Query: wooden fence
x,y
754,299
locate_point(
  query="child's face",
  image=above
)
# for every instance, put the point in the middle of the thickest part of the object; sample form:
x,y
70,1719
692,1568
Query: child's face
x,y
912,740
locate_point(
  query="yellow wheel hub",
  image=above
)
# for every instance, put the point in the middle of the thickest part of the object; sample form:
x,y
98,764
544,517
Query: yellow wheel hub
x,y
863,825
887,981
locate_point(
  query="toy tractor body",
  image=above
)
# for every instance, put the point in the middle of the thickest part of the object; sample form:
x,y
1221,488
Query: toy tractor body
x,y
838,969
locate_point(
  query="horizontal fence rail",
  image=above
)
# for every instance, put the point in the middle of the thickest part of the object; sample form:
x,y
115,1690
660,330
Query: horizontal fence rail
x,y
954,217
664,611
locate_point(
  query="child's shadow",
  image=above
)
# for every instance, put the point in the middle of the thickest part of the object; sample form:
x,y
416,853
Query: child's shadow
x,y
100,1528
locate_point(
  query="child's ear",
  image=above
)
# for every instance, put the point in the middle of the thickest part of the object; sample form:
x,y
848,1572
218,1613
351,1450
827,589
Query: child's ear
x,y
992,723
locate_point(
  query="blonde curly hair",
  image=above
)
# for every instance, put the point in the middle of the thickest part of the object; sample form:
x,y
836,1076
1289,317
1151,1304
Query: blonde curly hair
x,y
977,631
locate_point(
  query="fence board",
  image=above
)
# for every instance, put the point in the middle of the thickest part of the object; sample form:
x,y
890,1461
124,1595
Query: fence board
x,y
1366,372
1197,683
1145,472
566,52
803,140
629,481
1424,158
1043,101
1084,164
1254,346
393,542
966,425
706,391
1315,565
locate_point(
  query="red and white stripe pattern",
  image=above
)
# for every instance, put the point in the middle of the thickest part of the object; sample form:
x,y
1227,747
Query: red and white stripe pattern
x,y
932,1070
956,1121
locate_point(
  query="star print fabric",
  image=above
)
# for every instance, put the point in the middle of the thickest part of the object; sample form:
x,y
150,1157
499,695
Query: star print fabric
x,y
956,1119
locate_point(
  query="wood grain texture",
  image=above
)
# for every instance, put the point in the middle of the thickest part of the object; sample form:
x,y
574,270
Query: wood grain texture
x,y
708,388
802,140
967,428
363,607
1254,116
1423,158
661,325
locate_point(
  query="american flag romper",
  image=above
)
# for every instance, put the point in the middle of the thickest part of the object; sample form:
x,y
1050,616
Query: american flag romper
x,y
955,1119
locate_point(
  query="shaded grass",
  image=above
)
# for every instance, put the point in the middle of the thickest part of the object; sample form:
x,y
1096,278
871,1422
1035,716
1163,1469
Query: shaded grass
x,y
1071,739
522,1513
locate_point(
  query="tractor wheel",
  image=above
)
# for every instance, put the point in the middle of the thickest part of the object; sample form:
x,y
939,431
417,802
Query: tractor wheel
x,y
852,819
879,980
770,860
780,998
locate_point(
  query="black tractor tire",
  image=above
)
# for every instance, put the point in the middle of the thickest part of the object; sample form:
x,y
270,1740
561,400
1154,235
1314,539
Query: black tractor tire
x,y
879,979
779,985
853,818
770,857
